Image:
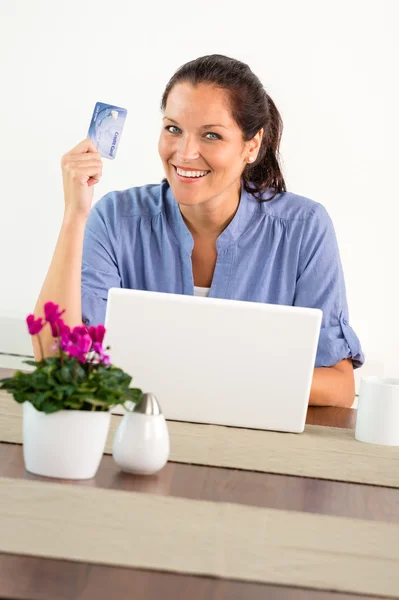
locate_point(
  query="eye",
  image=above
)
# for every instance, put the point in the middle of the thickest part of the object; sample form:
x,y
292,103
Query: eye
x,y
168,127
217,136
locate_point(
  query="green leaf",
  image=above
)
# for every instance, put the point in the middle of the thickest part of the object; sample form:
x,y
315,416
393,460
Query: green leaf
x,y
133,394
80,373
74,404
19,397
32,363
86,390
94,402
66,374
49,407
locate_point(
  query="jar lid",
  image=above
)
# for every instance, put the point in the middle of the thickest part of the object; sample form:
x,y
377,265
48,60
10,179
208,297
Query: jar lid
x,y
148,405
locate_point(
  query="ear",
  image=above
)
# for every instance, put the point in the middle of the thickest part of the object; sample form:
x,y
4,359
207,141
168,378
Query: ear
x,y
254,146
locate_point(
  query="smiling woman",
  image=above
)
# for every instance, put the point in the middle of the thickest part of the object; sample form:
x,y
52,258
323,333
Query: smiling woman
x,y
221,223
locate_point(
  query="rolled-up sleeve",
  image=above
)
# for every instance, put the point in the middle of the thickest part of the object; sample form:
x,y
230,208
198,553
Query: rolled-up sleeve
x,y
320,284
99,267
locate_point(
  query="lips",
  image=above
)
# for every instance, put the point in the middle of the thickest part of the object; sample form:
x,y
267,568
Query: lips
x,y
184,179
189,169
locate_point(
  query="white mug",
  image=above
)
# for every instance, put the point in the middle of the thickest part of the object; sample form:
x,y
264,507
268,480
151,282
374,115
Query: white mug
x,y
377,419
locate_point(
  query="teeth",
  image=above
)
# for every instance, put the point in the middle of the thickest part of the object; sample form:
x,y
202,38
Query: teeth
x,y
191,173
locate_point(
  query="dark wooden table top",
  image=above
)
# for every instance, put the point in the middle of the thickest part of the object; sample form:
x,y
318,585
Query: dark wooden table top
x,y
23,577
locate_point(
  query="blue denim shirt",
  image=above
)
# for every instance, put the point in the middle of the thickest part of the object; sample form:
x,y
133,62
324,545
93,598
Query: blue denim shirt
x,y
281,252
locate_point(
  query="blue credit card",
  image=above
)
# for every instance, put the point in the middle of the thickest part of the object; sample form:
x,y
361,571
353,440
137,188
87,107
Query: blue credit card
x,y
106,128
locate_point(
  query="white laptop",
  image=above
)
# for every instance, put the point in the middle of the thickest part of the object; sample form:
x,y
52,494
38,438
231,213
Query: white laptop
x,y
207,360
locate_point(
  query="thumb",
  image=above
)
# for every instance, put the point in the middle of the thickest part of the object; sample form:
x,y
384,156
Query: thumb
x,y
86,145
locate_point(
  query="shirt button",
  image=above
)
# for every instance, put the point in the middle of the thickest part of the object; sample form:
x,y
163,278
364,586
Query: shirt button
x,y
345,321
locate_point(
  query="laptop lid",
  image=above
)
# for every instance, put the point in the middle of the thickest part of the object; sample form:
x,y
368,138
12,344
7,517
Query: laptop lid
x,y
209,360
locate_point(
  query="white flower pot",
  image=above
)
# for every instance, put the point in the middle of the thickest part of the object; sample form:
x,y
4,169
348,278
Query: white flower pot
x,y
67,444
141,443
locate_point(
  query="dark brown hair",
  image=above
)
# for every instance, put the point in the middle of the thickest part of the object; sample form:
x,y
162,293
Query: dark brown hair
x,y
251,107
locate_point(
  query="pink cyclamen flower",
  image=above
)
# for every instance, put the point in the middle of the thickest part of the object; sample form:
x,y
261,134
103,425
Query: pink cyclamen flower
x,y
84,343
99,350
105,359
74,352
62,331
34,325
97,334
79,343
78,331
59,329
52,312
76,335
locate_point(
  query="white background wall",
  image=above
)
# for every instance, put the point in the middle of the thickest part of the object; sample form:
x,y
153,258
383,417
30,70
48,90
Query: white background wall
x,y
331,67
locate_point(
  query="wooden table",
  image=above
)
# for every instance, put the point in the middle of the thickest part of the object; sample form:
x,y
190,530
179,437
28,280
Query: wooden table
x,y
23,577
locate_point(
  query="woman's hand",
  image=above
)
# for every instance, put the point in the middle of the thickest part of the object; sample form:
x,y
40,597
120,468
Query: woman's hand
x,y
81,169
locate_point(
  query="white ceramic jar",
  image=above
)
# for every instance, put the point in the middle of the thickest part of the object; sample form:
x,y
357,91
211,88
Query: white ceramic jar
x,y
141,443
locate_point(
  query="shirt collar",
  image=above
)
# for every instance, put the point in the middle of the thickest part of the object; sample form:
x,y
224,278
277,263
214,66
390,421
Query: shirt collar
x,y
246,211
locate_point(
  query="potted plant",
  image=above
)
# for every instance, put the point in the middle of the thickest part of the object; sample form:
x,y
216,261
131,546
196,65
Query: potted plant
x,y
67,399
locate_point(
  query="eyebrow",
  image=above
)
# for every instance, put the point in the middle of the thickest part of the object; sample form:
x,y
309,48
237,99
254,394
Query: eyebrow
x,y
202,126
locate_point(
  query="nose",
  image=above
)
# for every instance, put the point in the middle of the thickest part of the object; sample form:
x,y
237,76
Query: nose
x,y
188,148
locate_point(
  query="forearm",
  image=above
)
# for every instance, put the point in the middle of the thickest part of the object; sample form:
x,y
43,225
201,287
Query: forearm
x,y
333,386
63,281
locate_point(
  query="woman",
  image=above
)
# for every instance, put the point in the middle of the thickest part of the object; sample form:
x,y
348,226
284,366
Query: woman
x,y
220,224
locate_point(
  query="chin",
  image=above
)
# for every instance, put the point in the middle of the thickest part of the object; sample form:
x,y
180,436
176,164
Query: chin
x,y
186,199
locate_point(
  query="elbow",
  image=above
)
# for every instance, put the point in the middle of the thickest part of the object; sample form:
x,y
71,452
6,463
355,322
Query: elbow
x,y
347,389
347,400
333,386
343,395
